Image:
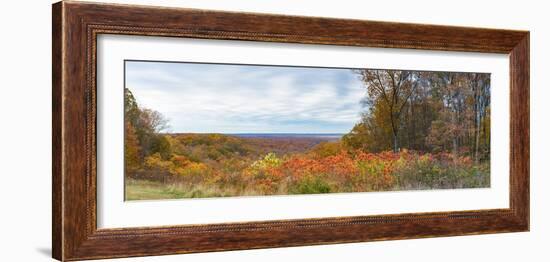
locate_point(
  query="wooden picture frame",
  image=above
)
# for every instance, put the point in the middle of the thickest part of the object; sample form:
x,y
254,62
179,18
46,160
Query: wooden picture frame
x,y
76,26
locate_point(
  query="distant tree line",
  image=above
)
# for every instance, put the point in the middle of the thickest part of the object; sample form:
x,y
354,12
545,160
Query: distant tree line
x,y
424,111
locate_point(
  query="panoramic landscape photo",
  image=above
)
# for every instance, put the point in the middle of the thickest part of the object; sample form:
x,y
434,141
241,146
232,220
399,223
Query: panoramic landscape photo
x,y
198,130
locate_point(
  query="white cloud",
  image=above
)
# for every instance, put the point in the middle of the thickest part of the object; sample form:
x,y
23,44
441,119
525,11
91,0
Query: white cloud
x,y
233,99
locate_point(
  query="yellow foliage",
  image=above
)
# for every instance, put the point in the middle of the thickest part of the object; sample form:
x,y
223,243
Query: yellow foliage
x,y
155,162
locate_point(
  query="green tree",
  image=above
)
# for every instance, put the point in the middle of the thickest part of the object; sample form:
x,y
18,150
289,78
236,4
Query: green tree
x,y
161,145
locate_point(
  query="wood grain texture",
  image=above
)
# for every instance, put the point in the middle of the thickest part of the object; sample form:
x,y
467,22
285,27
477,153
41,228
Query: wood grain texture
x,y
519,129
76,26
57,198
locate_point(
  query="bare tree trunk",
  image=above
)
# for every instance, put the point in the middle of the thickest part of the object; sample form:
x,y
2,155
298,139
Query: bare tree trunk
x,y
394,131
476,150
455,138
412,144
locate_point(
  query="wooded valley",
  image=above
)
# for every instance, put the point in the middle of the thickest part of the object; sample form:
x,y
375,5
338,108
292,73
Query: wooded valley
x,y
417,130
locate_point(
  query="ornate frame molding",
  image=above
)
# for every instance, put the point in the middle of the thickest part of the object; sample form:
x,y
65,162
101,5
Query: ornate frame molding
x,y
76,26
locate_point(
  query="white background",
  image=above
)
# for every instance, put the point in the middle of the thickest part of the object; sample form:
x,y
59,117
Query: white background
x,y
25,136
114,212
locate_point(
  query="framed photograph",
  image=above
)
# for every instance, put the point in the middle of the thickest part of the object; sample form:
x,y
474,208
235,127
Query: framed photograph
x,y
182,130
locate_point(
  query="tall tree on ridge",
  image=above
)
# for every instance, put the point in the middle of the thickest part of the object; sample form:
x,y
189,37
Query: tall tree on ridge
x,y
393,88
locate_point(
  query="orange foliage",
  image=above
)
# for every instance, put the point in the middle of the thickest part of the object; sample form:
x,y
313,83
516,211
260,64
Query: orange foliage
x,y
325,168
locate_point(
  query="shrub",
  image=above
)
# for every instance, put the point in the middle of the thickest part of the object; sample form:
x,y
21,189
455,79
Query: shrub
x,y
268,162
325,149
156,162
310,185
323,170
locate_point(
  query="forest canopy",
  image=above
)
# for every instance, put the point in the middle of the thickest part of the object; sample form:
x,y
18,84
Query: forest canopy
x,y
424,111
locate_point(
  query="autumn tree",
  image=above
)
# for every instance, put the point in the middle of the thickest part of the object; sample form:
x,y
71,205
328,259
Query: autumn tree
x,y
389,90
131,148
143,129
479,84
424,111
372,133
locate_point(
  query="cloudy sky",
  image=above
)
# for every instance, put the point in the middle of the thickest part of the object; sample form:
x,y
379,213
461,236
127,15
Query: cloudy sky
x,y
215,98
